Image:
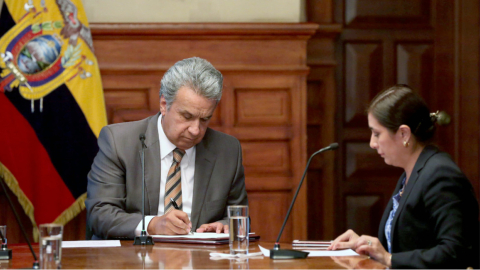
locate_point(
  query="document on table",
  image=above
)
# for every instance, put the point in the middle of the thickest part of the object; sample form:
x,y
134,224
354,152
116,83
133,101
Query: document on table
x,y
91,243
195,235
321,253
199,238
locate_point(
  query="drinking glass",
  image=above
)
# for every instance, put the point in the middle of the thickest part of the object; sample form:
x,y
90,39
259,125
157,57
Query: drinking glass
x,y
50,246
238,229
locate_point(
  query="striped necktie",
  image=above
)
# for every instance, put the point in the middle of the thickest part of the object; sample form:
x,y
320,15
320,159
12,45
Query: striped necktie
x,y
173,186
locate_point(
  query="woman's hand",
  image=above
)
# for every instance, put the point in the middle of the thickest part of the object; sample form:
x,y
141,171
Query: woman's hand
x,y
344,241
371,246
363,245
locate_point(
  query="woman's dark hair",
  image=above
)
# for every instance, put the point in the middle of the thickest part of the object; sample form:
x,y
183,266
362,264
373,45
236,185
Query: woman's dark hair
x,y
399,105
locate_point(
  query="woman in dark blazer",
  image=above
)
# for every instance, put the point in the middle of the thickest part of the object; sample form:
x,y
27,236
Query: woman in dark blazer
x,y
431,220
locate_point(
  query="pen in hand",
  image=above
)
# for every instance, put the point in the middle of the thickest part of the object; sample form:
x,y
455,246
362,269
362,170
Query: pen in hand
x,y
175,205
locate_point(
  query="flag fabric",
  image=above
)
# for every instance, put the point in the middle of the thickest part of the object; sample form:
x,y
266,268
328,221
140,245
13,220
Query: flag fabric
x,y
51,106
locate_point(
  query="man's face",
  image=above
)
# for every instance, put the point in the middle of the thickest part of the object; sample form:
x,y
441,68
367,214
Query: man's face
x,y
186,121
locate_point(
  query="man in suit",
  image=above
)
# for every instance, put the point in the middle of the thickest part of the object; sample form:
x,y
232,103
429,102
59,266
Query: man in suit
x,y
198,168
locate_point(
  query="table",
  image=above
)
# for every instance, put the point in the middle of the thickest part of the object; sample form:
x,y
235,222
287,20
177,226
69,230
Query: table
x,y
170,255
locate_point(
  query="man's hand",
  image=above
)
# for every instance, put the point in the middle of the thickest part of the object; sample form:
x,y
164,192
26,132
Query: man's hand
x,y
175,222
213,227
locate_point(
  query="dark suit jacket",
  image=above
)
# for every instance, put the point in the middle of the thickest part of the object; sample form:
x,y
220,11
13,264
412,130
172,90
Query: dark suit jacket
x,y
436,223
114,188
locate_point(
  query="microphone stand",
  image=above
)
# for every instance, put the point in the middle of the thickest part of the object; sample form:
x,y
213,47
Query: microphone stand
x,y
35,263
276,252
143,239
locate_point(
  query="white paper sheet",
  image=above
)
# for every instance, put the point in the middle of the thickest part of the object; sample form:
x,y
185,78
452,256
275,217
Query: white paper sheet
x,y
91,243
320,253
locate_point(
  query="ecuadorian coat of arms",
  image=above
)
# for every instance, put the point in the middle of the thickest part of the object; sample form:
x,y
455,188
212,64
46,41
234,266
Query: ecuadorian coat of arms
x,y
48,46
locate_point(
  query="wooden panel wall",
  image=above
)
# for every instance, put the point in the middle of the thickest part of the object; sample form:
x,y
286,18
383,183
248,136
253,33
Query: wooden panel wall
x,y
321,109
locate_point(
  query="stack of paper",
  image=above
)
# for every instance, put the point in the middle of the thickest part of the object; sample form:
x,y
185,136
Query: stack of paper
x,y
311,245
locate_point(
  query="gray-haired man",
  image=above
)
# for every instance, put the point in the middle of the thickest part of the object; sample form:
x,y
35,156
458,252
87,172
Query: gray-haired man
x,y
186,162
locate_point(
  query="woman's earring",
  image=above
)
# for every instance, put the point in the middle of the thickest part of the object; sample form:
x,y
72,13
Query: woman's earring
x,y
405,143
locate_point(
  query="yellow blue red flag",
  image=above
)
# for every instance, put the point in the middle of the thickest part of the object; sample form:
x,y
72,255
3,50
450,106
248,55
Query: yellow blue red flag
x,y
51,106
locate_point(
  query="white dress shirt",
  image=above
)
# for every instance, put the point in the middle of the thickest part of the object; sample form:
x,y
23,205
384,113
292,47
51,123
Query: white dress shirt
x,y
187,166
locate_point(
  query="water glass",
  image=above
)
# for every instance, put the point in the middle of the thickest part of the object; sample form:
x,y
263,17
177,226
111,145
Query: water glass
x,y
238,229
50,246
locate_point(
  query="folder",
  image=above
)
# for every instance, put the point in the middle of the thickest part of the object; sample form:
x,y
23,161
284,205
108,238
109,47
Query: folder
x,y
200,238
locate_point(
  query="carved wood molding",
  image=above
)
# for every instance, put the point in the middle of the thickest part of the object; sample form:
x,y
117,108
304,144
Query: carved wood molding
x,y
204,30
240,46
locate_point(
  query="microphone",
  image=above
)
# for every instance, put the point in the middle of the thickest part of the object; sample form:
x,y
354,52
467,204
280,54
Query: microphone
x,y
276,252
143,239
8,251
